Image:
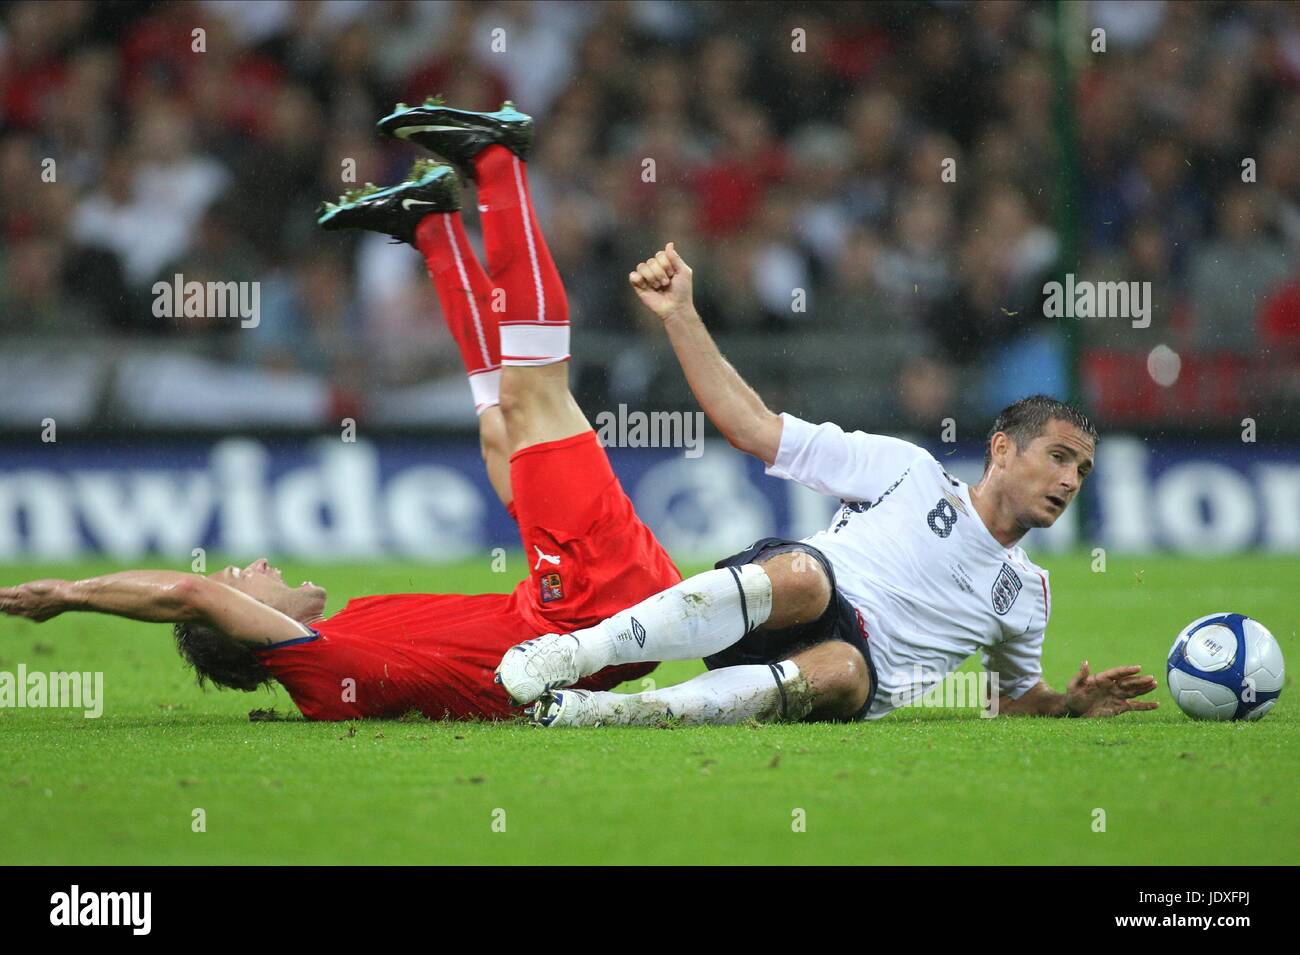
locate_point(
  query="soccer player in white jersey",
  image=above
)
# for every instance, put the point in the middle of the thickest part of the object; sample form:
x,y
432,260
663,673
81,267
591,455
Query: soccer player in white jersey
x,y
916,572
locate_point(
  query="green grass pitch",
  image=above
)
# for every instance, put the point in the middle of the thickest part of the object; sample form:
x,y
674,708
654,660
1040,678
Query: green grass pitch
x,y
921,786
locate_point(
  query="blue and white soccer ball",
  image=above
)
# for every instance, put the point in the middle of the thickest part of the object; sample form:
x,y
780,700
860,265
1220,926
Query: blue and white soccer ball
x,y
1225,667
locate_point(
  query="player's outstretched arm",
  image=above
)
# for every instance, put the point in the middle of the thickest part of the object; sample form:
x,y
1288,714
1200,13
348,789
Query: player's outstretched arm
x,y
1108,693
663,283
154,596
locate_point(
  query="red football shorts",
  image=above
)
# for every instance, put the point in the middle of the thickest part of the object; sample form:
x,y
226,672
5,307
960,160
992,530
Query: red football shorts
x,y
588,553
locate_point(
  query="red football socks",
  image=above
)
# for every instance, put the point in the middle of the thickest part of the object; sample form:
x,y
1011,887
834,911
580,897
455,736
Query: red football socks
x,y
535,323
466,296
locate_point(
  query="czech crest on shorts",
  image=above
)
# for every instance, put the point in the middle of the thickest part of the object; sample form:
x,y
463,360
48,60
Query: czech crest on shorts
x,y
1005,589
552,588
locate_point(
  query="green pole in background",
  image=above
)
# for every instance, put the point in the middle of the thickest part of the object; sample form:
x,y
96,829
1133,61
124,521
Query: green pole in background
x,y
1065,134
1066,34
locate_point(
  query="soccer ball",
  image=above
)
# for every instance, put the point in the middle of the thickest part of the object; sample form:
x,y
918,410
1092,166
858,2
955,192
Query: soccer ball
x,y
1225,667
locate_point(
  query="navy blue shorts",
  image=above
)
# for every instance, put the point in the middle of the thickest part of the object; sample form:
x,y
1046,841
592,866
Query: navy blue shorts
x,y
839,622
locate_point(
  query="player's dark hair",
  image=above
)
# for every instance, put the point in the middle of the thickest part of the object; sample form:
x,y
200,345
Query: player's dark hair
x,y
1024,420
215,656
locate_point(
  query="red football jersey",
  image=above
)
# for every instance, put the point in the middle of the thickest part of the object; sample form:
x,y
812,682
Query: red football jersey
x,y
384,656
433,653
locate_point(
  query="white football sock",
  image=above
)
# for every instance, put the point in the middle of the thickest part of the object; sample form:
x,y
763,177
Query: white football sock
x,y
697,617
765,692
530,344
485,386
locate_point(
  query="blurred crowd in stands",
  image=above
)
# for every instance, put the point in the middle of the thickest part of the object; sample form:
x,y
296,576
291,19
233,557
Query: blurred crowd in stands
x,y
794,152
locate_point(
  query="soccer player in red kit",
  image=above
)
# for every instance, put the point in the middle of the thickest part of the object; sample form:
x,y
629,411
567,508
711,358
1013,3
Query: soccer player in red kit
x,y
589,554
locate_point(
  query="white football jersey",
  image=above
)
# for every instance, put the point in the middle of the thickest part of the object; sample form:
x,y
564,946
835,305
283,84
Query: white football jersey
x,y
911,554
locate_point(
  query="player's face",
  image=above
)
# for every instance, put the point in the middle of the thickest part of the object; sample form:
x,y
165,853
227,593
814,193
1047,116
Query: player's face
x,y
265,584
1047,475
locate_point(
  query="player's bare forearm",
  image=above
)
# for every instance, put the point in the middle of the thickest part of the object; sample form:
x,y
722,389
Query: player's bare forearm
x,y
664,285
730,403
154,596
1108,693
1041,700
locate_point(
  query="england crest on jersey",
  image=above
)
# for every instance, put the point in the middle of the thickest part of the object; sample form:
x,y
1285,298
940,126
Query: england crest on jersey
x,y
1005,590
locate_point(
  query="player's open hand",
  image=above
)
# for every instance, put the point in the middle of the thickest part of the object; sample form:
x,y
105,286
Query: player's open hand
x,y
37,600
1108,693
663,283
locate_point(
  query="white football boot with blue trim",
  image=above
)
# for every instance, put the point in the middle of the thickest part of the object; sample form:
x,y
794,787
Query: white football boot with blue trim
x,y
535,666
566,708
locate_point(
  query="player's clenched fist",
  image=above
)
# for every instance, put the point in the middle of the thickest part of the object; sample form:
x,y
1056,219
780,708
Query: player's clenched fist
x,y
663,283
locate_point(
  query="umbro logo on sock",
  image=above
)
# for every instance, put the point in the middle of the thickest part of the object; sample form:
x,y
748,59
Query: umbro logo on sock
x,y
638,632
